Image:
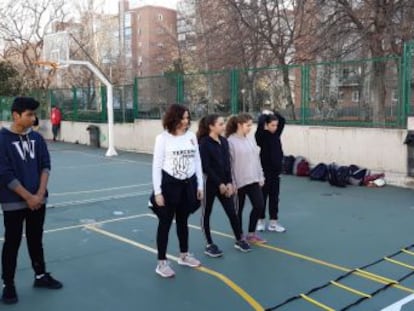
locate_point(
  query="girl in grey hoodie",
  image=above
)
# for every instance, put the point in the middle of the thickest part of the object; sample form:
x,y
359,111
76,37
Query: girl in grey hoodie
x,y
247,172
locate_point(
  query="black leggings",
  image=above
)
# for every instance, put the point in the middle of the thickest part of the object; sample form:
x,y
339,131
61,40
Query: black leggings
x,y
179,210
271,190
211,192
13,224
254,192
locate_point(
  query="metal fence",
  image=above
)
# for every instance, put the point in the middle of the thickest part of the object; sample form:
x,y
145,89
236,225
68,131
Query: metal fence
x,y
367,92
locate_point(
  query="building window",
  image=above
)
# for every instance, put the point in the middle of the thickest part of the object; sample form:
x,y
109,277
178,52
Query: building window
x,y
181,37
140,44
394,95
139,60
139,31
128,33
138,17
160,17
160,45
127,20
355,96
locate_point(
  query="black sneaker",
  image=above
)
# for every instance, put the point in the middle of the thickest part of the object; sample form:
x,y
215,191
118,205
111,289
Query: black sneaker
x,y
242,246
212,250
46,281
9,295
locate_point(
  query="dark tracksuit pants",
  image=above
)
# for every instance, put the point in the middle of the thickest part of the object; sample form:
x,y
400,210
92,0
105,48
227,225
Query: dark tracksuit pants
x,y
13,224
254,192
177,204
271,191
211,192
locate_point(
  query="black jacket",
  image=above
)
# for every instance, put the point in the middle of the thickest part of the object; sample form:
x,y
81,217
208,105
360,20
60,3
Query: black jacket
x,y
215,158
271,152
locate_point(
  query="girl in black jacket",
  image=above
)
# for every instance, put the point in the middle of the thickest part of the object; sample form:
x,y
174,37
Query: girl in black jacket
x,y
269,130
215,158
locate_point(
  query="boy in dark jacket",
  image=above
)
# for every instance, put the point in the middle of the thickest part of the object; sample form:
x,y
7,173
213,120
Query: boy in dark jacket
x,y
24,174
269,130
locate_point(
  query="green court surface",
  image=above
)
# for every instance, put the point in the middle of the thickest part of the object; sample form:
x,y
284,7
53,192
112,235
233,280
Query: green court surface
x,y
100,241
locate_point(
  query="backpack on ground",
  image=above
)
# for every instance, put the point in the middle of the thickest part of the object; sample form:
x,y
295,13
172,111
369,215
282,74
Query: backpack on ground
x,y
338,176
288,163
301,167
319,172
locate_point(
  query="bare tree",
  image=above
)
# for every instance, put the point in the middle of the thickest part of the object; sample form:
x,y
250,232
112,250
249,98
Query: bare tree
x,y
367,28
23,25
279,25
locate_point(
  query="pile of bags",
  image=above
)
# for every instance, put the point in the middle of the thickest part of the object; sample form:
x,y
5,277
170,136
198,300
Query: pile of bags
x,y
338,176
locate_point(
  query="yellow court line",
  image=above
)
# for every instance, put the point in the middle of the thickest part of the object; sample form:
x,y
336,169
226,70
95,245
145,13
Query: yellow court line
x,y
399,263
237,289
362,273
107,221
316,303
407,252
350,289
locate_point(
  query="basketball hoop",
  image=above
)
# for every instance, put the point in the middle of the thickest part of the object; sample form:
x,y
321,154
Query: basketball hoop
x,y
48,64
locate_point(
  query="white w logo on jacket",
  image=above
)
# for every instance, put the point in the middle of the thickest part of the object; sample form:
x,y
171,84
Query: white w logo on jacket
x,y
24,148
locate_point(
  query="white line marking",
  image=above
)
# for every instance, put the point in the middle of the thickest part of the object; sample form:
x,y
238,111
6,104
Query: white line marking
x,y
399,304
99,190
101,199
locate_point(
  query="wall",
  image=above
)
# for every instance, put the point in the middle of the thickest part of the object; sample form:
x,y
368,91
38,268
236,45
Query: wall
x,y
378,149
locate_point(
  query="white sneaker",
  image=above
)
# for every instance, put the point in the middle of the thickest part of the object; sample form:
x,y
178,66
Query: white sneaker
x,y
261,225
274,226
189,261
164,269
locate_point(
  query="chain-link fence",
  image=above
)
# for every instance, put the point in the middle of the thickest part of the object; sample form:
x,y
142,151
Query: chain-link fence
x,y
368,92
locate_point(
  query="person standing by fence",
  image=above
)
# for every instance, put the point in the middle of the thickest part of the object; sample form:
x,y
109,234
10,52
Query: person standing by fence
x,y
247,171
269,130
177,178
24,175
55,119
215,157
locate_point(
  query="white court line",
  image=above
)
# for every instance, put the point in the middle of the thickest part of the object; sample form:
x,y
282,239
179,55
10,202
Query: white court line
x,y
101,199
399,304
57,194
107,221
108,159
87,165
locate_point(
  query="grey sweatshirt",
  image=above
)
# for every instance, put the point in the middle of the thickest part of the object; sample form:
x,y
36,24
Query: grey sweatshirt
x,y
245,161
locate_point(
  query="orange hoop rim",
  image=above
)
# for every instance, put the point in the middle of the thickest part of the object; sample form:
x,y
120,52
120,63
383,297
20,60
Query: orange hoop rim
x,y
49,64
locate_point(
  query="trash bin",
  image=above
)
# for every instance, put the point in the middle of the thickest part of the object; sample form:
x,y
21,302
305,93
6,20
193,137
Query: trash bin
x,y
409,141
94,136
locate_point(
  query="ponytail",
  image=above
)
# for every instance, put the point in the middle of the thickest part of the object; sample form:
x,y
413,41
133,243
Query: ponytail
x,y
231,126
234,121
204,125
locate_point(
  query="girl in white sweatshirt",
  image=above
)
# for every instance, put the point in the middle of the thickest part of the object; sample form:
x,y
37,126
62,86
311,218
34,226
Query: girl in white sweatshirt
x,y
177,179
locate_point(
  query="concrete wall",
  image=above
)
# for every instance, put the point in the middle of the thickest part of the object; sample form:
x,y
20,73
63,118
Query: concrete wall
x,y
378,149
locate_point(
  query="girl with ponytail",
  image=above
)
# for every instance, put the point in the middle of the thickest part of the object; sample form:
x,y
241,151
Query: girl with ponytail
x,y
247,171
215,158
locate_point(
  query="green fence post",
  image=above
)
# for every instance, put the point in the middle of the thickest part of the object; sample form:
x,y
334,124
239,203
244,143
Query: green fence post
x,y
305,87
234,92
135,98
180,88
75,104
104,103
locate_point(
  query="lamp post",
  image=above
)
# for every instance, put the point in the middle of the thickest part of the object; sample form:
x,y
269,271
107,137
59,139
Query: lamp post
x,y
243,91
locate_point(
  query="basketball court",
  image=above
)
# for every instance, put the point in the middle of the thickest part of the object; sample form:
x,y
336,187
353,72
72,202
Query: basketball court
x,y
100,241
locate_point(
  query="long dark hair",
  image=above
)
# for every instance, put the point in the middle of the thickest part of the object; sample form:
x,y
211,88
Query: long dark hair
x,y
233,122
270,118
204,125
173,117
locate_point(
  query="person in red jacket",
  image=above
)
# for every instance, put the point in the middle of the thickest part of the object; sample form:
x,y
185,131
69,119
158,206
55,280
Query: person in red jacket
x,y
55,119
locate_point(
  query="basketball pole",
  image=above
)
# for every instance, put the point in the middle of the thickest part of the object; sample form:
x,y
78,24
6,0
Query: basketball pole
x,y
110,102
